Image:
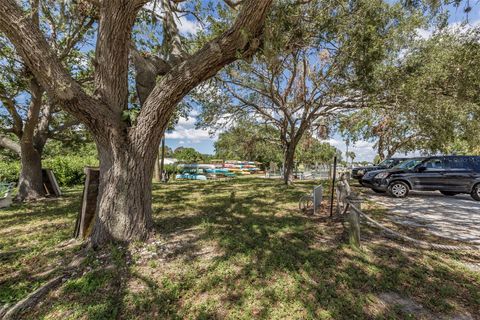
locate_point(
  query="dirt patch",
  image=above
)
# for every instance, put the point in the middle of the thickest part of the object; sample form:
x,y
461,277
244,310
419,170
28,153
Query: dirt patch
x,y
188,245
410,308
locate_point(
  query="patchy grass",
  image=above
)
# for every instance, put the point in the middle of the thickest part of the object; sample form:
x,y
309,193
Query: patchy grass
x,y
235,249
30,236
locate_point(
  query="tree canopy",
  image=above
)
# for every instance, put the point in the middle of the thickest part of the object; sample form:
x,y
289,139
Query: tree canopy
x,y
312,72
427,100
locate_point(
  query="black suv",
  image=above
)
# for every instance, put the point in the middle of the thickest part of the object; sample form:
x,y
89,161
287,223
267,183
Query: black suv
x,y
358,172
368,178
450,175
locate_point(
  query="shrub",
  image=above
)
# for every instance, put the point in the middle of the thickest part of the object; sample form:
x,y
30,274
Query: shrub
x,y
170,168
9,171
69,169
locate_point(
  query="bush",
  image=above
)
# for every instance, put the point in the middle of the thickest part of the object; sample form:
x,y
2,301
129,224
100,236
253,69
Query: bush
x,y
9,171
69,169
170,168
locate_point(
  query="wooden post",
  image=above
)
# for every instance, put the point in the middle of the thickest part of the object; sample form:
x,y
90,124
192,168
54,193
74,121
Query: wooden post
x,y
354,222
50,183
333,184
86,215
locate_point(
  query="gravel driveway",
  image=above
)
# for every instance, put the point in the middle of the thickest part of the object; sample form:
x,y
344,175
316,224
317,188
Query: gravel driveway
x,y
456,217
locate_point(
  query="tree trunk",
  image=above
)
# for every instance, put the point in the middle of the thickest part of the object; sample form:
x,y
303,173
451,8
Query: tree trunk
x,y
126,162
289,163
124,205
30,185
380,148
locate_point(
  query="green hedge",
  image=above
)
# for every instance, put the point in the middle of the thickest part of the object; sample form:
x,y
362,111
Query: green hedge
x,y
170,168
67,169
9,171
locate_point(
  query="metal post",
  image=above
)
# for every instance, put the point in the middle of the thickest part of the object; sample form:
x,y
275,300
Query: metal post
x,y
333,184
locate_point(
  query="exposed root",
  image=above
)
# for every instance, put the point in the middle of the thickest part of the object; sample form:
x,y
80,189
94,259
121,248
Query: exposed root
x,y
36,296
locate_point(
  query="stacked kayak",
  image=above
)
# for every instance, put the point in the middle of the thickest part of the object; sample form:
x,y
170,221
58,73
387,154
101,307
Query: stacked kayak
x,y
217,169
193,171
190,176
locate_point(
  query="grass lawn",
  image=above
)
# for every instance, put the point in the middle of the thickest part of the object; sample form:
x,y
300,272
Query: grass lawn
x,y
235,249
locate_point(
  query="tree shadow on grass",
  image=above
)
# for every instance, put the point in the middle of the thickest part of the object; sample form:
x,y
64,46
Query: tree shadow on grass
x,y
96,290
270,262
288,259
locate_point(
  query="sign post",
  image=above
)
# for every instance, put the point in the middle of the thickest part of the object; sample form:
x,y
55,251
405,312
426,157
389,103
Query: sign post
x,y
317,198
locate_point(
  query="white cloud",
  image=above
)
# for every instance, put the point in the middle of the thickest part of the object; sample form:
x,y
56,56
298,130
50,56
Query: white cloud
x,y
186,131
363,150
424,33
190,121
188,27
185,26
456,27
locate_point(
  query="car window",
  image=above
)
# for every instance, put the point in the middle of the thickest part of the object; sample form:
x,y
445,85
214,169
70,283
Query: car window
x,y
386,163
403,165
434,164
407,164
458,163
474,163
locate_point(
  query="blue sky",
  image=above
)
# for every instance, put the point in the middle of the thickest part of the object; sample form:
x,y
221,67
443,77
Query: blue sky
x,y
186,135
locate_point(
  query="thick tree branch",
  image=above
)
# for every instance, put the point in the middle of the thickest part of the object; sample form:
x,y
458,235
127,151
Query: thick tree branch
x,y
36,93
48,70
9,144
172,43
42,130
201,66
147,69
112,51
9,104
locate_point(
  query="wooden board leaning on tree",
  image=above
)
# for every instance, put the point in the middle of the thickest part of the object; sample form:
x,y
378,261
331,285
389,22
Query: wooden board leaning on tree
x,y
85,218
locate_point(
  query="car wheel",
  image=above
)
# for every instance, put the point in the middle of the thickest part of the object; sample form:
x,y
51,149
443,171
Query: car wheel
x,y
448,193
398,189
476,192
378,191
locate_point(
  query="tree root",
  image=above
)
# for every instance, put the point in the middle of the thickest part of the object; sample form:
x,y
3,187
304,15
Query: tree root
x,y
34,298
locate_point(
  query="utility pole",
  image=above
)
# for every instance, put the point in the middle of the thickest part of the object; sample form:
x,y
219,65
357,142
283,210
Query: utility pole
x,y
347,143
162,161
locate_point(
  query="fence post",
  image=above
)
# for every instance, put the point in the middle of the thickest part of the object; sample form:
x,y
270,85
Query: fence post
x,y
354,221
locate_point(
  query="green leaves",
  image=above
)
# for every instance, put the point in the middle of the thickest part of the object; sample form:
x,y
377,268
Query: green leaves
x,y
130,115
428,100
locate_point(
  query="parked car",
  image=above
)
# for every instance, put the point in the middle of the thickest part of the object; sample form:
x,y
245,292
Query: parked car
x,y
450,175
359,172
367,179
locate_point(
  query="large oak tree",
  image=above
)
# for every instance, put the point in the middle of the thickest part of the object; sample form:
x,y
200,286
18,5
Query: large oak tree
x,y
319,65
127,150
27,117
